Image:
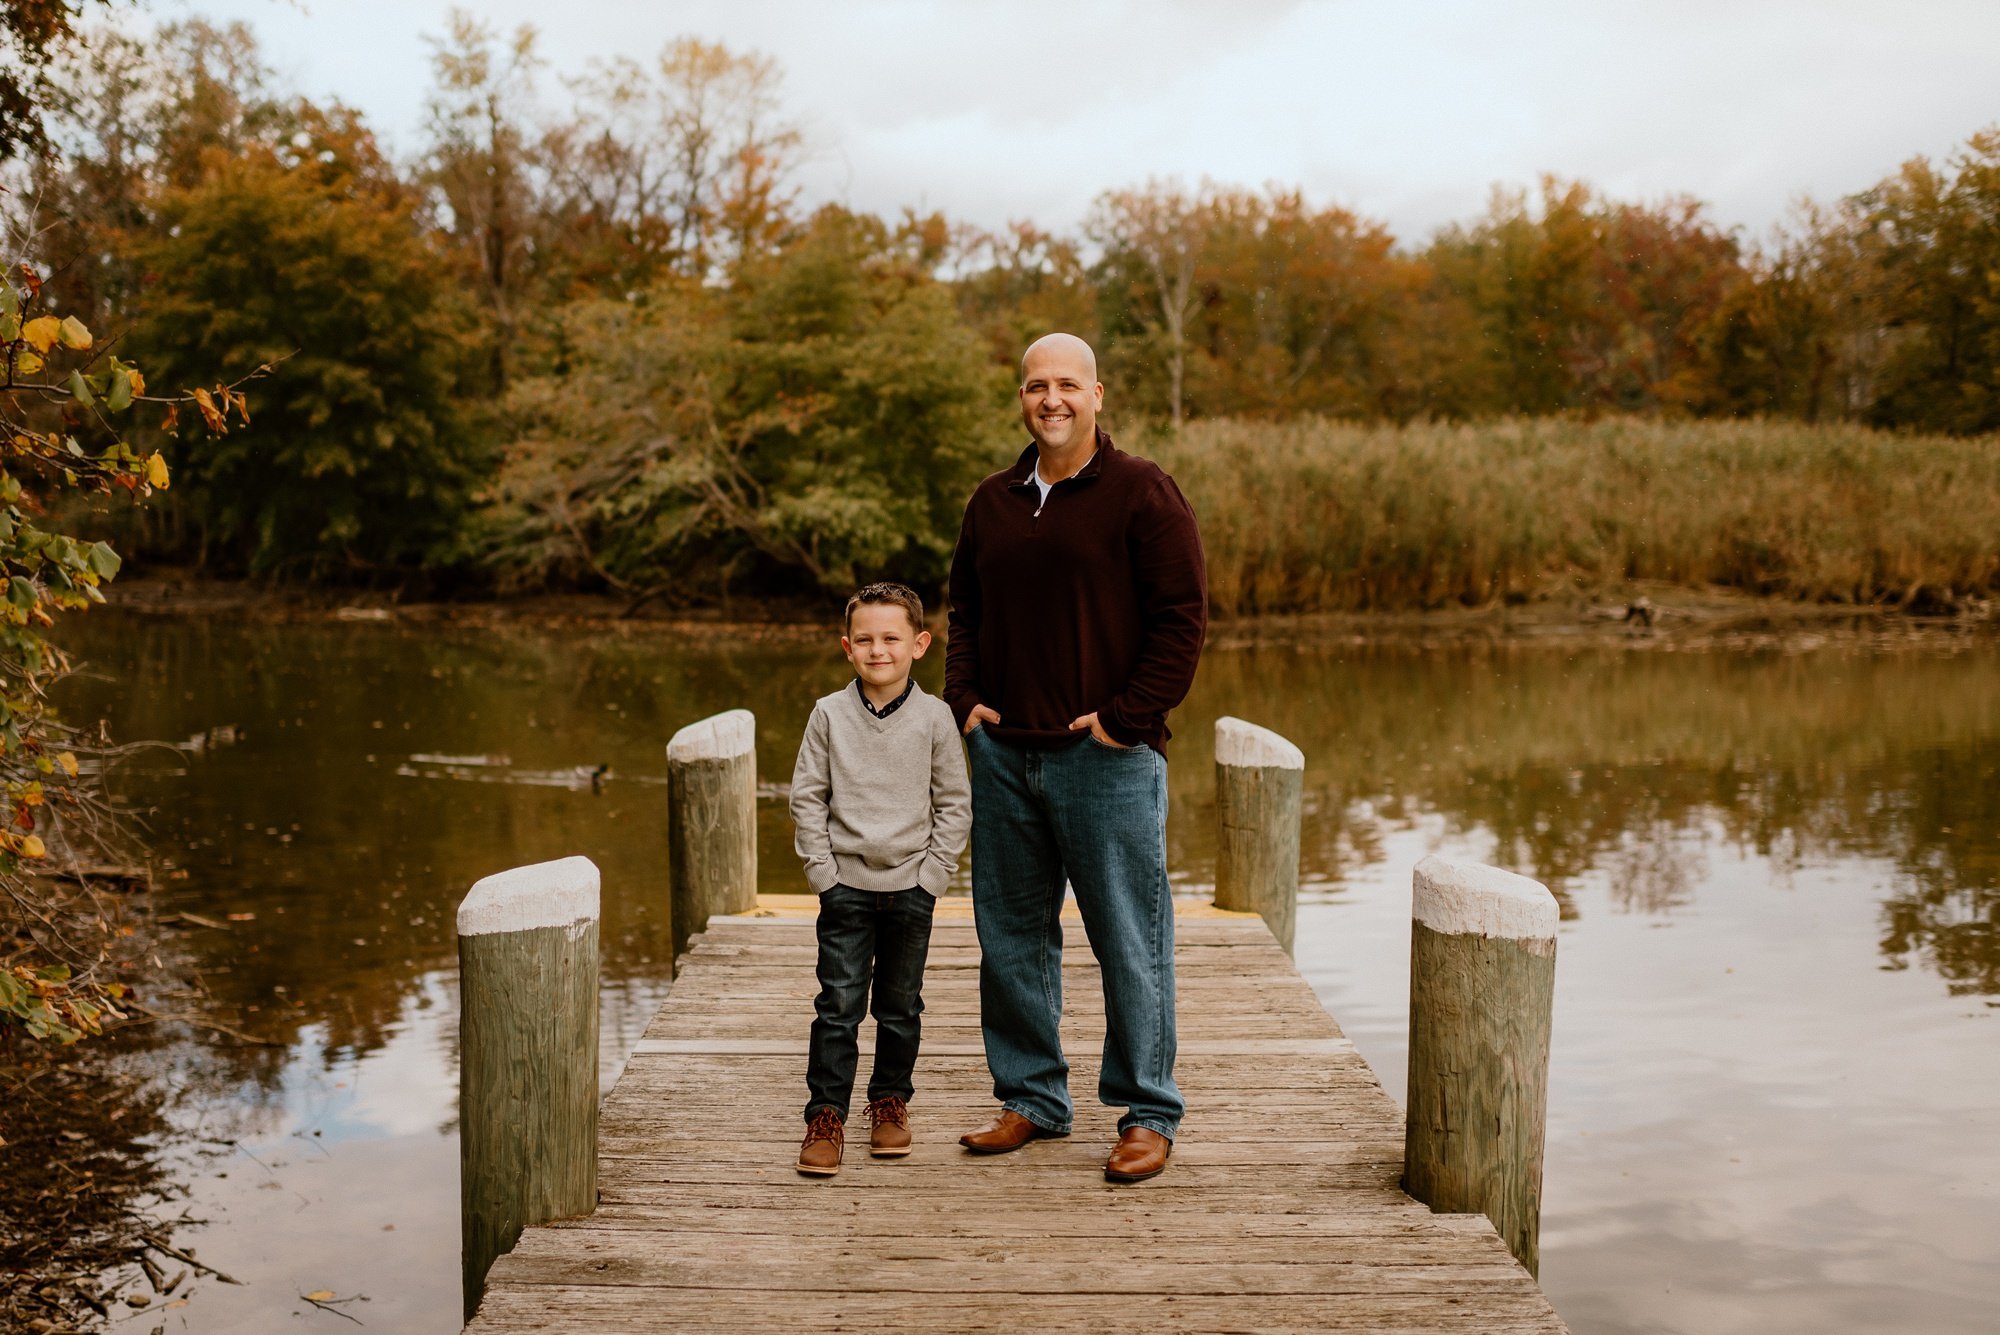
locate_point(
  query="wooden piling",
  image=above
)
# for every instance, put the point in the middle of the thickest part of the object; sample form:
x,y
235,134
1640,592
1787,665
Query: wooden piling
x,y
1258,779
527,1115
1482,986
712,819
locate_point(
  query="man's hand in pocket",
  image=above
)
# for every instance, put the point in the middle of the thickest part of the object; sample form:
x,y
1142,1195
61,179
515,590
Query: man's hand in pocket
x,y
1096,730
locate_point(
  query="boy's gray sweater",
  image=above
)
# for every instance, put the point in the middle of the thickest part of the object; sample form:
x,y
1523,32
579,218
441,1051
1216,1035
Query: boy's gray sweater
x,y
881,803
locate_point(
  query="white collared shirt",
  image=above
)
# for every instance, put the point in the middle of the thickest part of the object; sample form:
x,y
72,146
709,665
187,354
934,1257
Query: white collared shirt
x,y
1043,486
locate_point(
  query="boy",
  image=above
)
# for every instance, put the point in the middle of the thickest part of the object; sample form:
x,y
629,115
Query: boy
x,y
883,806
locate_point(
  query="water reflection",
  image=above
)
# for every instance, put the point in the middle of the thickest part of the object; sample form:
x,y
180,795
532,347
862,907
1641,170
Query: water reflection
x,y
372,773
1606,763
351,781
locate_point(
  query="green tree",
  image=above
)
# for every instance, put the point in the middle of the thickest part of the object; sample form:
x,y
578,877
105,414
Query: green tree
x,y
815,424
361,459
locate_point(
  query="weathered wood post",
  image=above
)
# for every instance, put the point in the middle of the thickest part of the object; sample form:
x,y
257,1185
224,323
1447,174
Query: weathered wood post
x,y
527,1057
712,819
1258,778
1482,986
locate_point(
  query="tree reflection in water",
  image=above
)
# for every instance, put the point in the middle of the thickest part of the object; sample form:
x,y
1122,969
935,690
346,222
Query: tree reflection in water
x,y
1628,763
1617,763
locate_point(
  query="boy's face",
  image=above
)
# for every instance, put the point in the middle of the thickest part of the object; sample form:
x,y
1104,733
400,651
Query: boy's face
x,y
881,643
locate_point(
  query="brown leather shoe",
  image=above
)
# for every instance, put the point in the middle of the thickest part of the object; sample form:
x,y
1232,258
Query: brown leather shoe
x,y
819,1156
1139,1154
1008,1131
889,1128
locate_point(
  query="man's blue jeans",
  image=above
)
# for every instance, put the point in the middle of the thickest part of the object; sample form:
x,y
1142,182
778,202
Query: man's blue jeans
x,y
1097,815
872,948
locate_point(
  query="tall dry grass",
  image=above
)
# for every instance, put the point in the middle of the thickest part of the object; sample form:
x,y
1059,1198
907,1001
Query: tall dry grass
x,y
1317,516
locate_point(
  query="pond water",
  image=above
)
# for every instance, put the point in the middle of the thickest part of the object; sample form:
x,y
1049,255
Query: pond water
x,y
1775,1084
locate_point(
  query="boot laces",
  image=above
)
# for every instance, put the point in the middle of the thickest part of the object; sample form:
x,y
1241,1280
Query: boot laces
x,y
825,1125
890,1110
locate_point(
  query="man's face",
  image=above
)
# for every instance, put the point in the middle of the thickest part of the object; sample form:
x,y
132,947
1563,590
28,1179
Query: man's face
x,y
881,643
1059,398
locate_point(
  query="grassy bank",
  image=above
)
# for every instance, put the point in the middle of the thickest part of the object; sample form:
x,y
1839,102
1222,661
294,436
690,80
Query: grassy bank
x,y
1315,516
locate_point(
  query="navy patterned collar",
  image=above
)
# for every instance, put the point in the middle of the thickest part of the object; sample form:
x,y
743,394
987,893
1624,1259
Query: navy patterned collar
x,y
889,708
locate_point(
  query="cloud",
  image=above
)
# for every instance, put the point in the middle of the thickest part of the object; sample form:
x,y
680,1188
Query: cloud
x,y
992,111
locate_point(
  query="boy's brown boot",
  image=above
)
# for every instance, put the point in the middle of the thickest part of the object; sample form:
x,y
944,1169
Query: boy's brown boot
x,y
889,1128
819,1156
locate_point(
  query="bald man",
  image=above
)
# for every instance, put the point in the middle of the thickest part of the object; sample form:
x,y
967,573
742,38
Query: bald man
x,y
1078,604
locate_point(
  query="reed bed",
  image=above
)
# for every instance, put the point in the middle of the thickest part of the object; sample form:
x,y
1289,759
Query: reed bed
x,y
1319,516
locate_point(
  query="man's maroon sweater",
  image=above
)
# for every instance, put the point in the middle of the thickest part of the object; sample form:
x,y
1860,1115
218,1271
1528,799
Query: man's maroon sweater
x,y
1098,604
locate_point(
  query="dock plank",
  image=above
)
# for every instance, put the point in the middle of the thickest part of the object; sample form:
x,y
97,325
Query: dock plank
x,y
1281,1211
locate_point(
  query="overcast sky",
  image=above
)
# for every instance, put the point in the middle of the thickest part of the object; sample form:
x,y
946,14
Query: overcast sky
x,y
1408,112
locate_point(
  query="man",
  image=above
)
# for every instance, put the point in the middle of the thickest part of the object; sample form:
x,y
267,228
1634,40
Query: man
x,y
1078,604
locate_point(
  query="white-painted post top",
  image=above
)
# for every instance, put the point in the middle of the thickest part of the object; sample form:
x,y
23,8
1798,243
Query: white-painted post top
x,y
1240,743
718,737
1471,898
546,894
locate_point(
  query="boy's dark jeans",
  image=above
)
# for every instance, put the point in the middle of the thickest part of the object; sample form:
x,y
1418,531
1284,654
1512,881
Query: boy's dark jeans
x,y
864,932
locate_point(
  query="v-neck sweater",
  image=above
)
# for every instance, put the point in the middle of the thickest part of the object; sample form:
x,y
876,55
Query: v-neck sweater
x,y
880,803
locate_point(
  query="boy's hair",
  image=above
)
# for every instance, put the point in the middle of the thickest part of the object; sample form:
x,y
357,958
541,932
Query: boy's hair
x,y
902,595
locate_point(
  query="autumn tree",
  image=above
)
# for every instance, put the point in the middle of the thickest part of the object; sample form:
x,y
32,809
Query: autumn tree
x,y
64,399
1301,310
1800,337
1934,235
685,159
34,36
729,150
1528,276
1021,282
137,116
58,402
1667,272
482,171
1151,243
66,407
1589,303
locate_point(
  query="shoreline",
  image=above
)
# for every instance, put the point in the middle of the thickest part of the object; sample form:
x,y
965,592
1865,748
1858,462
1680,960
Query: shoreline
x,y
1633,616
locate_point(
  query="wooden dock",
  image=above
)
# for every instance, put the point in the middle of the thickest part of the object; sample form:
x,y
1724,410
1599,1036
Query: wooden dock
x,y
1281,1210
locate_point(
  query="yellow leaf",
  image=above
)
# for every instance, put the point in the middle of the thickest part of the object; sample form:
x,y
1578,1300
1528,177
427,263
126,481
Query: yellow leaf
x,y
42,333
209,414
138,381
74,333
156,471
319,1296
67,760
33,847
27,363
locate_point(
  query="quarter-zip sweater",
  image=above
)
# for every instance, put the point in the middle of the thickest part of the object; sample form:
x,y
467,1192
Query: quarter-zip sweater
x,y
881,801
1096,605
